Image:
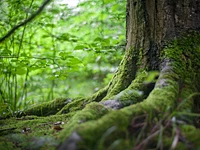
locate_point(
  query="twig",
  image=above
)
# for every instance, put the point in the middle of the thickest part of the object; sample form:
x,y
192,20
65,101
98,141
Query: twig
x,y
145,141
25,21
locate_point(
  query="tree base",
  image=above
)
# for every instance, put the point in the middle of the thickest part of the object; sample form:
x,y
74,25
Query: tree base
x,y
161,114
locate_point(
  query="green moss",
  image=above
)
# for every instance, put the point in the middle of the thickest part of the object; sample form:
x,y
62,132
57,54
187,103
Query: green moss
x,y
97,133
166,143
24,141
79,103
185,53
92,111
32,131
7,145
36,125
134,92
185,100
92,131
191,134
124,75
47,108
75,105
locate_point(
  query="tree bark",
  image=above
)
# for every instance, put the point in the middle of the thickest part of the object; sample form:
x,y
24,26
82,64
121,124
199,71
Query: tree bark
x,y
151,23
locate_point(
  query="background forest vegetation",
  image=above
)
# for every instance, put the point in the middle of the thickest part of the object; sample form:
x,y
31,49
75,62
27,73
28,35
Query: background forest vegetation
x,y
64,52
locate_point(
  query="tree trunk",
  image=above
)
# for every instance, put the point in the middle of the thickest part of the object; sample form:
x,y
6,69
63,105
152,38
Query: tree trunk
x,y
151,23
141,109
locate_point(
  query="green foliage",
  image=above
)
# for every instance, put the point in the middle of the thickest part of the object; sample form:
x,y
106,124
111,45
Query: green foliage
x,y
65,51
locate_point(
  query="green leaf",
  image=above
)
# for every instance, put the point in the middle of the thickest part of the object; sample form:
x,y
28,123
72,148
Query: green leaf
x,y
55,10
64,55
23,54
102,41
21,71
52,78
64,37
6,52
103,17
62,78
73,39
41,63
74,61
46,36
98,39
79,47
14,60
50,25
115,7
67,37
32,68
108,1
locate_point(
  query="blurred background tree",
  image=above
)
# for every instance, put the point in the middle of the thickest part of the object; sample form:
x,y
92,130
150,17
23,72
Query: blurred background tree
x,y
66,51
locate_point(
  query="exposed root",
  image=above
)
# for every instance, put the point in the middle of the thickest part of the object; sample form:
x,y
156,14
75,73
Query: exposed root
x,y
63,105
164,96
136,92
79,104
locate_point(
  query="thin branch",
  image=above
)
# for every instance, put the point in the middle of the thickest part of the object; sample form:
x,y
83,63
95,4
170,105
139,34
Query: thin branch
x,y
25,21
33,57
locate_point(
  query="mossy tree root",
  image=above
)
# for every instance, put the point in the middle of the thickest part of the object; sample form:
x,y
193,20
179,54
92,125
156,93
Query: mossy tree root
x,y
115,125
63,105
